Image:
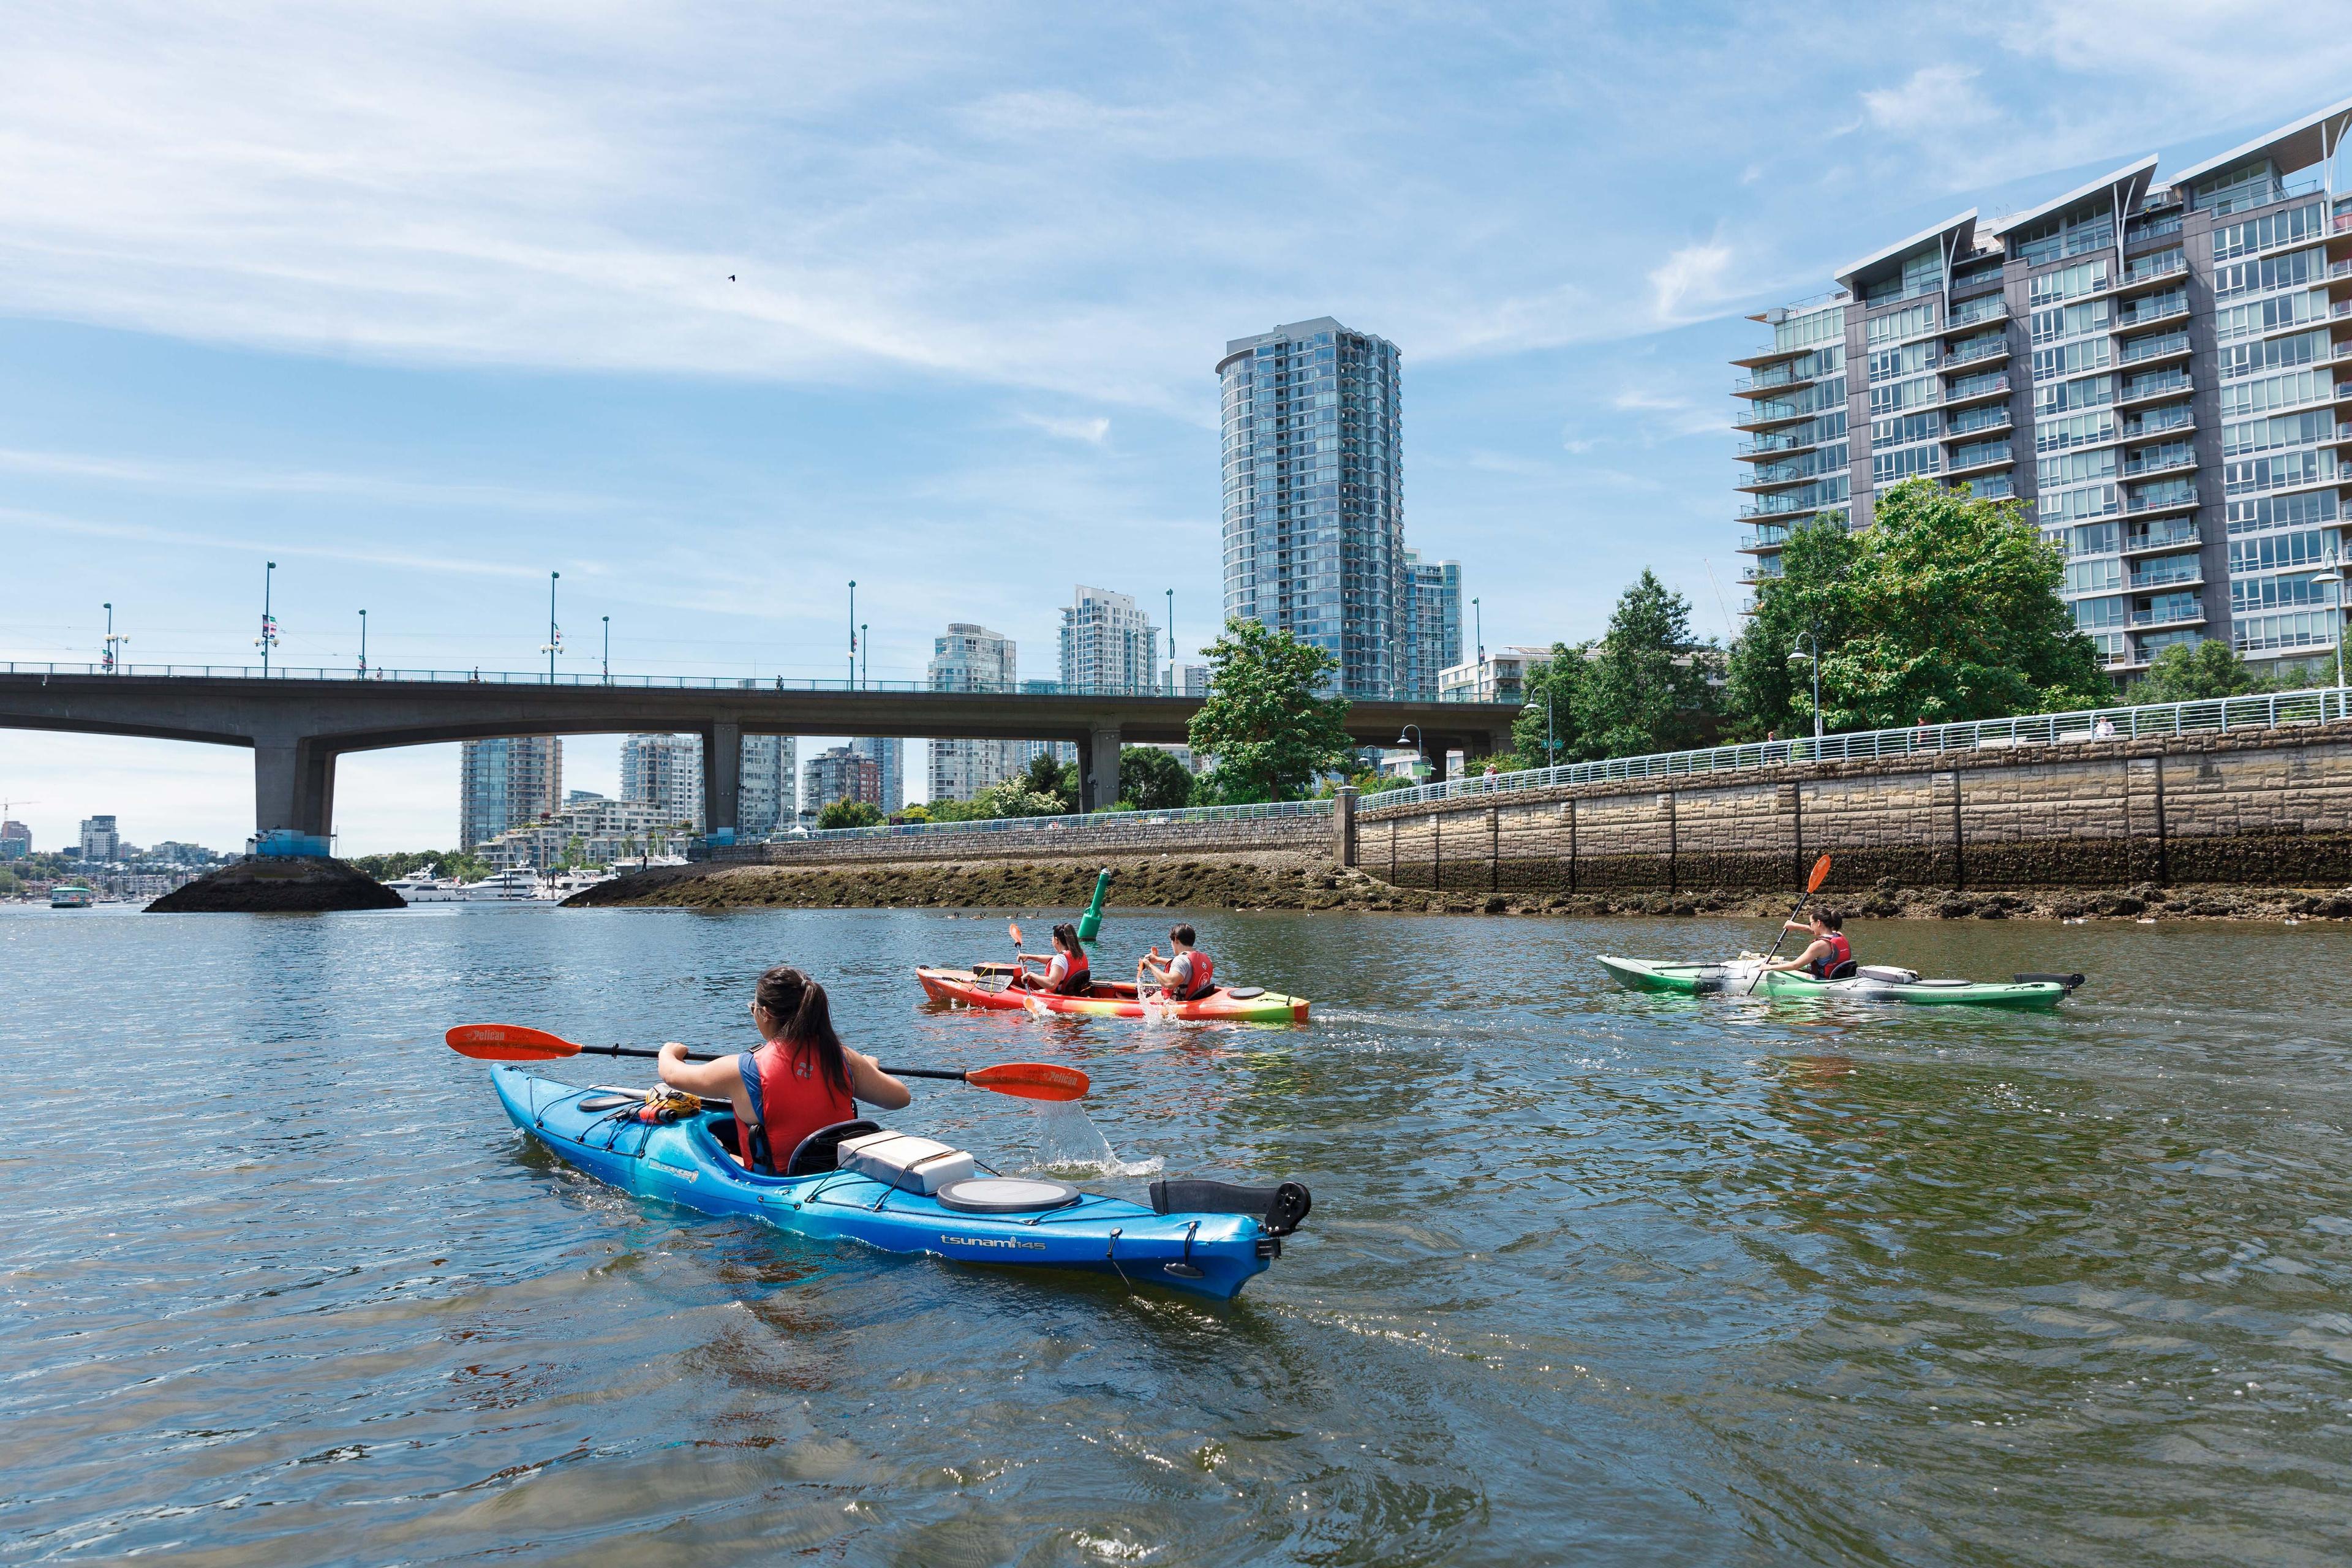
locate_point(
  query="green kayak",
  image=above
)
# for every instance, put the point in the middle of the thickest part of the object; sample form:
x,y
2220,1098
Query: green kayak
x,y
1871,983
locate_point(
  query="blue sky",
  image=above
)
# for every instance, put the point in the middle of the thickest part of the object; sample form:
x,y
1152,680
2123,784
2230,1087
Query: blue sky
x,y
424,302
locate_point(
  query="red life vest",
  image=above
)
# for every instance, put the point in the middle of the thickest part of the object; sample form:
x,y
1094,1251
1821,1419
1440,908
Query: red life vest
x,y
1077,974
1840,954
1199,975
788,1089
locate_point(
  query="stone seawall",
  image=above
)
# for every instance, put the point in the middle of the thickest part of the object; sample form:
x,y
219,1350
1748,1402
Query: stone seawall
x,y
1119,835
2262,807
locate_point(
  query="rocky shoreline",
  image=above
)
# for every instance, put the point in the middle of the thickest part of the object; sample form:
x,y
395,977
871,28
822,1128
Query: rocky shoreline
x,y
1292,880
258,885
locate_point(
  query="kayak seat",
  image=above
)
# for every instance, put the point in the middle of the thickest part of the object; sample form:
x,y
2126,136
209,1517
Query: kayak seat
x,y
821,1151
1280,1209
1844,971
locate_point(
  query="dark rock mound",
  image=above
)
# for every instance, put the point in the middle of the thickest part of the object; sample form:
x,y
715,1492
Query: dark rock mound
x,y
280,886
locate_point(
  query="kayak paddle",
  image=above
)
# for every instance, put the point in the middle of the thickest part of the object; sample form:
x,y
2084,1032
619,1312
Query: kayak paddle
x,y
1812,885
519,1043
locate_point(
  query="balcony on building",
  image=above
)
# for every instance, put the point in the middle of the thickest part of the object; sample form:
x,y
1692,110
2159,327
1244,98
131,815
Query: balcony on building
x,y
2147,311
1996,487
1766,509
1767,448
1776,380
1763,541
1763,570
1978,351
2147,539
2172,571
1769,416
1982,310
1978,389
2159,463
1765,480
2148,387
1980,459
1983,419
2172,615
2156,350
2158,499
2177,417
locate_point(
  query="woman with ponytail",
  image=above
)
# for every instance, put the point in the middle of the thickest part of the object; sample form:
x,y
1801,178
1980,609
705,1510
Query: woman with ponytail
x,y
800,1080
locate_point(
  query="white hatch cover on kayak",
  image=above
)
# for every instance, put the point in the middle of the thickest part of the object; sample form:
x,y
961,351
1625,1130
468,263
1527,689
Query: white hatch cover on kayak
x,y
1006,1195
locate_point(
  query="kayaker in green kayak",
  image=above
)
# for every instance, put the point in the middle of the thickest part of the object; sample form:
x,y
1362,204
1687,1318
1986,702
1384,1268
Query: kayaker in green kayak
x,y
1829,956
801,1080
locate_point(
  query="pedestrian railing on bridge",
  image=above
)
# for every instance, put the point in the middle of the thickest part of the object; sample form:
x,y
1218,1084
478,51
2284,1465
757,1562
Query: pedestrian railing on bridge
x,y
567,678
2268,710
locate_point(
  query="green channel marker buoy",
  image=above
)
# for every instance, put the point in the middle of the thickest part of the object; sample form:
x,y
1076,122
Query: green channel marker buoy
x,y
1091,922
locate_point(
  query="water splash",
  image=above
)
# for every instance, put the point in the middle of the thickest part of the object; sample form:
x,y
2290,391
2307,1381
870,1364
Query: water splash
x,y
1069,1142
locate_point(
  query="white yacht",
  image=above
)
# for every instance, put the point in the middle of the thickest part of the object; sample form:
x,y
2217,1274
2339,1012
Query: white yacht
x,y
517,886
564,884
426,885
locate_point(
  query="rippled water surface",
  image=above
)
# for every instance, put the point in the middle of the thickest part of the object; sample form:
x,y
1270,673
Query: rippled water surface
x,y
1591,1277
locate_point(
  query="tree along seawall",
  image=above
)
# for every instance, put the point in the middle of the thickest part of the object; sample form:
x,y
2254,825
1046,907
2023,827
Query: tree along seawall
x,y
2272,806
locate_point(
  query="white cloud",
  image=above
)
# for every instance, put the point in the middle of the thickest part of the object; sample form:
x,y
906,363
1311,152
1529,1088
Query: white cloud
x,y
1070,428
1933,101
1691,279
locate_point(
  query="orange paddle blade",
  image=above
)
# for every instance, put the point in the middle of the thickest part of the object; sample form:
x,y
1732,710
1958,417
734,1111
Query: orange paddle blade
x,y
1820,874
1014,927
508,1043
1032,1081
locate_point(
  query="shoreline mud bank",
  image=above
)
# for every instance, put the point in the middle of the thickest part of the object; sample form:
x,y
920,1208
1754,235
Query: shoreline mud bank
x,y
1295,880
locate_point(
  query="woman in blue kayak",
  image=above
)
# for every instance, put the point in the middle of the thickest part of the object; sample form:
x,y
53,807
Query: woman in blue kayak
x,y
801,1080
1829,956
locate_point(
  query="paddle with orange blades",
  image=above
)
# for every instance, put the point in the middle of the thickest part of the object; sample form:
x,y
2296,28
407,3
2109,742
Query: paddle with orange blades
x,y
519,1042
1812,885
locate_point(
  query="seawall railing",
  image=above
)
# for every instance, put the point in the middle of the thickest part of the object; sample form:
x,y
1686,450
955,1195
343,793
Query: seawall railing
x,y
2268,710
1073,829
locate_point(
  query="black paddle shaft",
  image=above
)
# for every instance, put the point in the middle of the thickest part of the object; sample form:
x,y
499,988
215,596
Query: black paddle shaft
x,y
705,1057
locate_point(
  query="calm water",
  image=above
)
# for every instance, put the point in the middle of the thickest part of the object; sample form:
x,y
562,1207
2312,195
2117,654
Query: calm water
x,y
1591,1276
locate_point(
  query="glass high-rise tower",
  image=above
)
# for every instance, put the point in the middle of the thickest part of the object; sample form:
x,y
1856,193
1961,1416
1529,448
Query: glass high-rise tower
x,y
2150,362
1314,514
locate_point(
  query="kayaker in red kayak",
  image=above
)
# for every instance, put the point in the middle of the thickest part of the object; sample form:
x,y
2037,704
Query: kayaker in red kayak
x,y
1187,976
800,1080
1068,971
1829,956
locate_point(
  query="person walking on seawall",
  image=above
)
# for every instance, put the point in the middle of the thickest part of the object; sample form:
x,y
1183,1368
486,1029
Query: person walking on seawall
x,y
1187,976
1068,971
800,1081
1829,956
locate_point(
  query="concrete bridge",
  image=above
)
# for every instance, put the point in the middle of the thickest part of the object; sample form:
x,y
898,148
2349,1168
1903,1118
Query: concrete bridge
x,y
299,723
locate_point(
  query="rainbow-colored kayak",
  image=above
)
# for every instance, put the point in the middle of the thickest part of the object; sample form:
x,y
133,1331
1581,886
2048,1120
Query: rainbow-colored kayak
x,y
1113,999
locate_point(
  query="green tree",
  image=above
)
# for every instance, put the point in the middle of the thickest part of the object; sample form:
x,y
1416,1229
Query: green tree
x,y
1810,594
2191,672
1047,776
1152,780
1262,722
1550,716
1953,614
849,813
1646,689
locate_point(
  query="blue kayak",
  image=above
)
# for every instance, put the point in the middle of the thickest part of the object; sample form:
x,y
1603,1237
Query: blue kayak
x,y
683,1162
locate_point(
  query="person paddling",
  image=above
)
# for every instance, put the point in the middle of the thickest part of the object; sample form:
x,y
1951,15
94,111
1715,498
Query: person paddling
x,y
801,1078
1187,976
1829,956
1068,971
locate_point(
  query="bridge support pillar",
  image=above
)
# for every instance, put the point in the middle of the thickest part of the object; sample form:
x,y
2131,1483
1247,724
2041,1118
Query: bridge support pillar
x,y
293,785
1433,753
1098,768
722,776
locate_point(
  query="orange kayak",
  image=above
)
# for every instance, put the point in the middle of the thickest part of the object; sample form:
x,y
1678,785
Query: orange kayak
x,y
1113,999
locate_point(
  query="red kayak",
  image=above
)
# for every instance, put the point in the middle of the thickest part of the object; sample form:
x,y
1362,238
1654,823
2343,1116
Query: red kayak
x,y
1112,999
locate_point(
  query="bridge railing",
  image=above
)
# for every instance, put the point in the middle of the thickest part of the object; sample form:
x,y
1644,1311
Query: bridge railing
x,y
2267,710
570,677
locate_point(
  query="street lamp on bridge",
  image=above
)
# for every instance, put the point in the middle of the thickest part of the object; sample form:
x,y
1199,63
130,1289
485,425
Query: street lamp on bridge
x,y
363,644
608,650
554,643
864,651
268,638
111,662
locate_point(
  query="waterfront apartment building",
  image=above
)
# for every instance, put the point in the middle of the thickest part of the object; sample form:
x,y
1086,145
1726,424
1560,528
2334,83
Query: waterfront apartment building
x,y
970,657
1313,497
1434,599
16,840
1108,644
887,754
505,783
840,774
769,792
100,841
1497,677
2149,361
594,831
664,774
